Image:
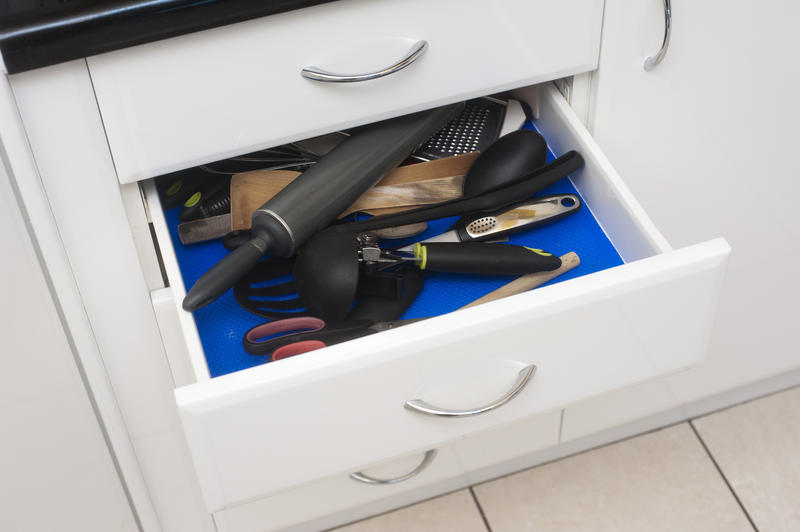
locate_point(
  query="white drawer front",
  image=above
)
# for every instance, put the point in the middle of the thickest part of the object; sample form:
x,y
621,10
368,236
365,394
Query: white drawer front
x,y
226,91
304,507
259,431
505,443
339,498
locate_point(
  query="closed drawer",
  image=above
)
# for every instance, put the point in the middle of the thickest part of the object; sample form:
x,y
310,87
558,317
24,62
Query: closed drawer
x,y
310,507
505,443
156,98
261,430
329,502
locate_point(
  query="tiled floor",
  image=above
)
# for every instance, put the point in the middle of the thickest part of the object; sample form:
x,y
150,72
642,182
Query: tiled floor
x,y
737,469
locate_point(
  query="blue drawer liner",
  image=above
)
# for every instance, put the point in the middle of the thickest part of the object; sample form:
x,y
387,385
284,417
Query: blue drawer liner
x,y
222,324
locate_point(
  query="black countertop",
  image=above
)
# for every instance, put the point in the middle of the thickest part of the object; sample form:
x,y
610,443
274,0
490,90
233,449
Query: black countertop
x,y
37,33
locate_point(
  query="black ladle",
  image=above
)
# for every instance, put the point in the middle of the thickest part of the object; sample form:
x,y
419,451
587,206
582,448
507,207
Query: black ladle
x,y
508,159
505,161
326,269
326,273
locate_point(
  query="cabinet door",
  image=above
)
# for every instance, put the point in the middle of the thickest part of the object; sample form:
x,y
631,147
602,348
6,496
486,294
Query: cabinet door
x,y
56,470
707,141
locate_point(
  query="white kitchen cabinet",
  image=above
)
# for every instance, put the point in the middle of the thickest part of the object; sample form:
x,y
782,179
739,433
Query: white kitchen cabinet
x,y
76,208
705,141
57,470
646,318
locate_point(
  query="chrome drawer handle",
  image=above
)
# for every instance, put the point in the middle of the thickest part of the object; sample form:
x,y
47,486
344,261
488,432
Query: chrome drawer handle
x,y
653,60
418,405
426,460
318,74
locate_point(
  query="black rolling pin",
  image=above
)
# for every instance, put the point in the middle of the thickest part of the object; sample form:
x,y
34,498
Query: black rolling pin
x,y
314,199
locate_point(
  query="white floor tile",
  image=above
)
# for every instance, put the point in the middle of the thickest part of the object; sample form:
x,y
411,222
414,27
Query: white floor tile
x,y
658,481
757,446
456,512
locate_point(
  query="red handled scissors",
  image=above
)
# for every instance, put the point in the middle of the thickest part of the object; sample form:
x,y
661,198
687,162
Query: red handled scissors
x,y
301,335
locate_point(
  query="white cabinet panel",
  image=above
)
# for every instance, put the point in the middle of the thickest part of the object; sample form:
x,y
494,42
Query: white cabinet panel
x,y
706,141
56,469
99,267
508,442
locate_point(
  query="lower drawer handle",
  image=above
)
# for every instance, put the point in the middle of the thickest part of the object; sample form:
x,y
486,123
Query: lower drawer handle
x,y
418,405
318,74
427,459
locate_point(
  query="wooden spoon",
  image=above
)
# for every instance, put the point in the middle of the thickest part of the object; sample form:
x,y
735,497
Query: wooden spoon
x,y
527,282
403,188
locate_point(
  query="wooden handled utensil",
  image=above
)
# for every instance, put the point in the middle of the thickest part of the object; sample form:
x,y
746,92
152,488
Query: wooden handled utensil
x,y
403,188
527,282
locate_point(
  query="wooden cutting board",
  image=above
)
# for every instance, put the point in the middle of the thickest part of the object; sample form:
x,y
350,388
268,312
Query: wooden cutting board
x,y
404,188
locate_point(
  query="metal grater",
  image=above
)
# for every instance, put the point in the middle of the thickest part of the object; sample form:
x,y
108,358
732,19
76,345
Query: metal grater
x,y
477,126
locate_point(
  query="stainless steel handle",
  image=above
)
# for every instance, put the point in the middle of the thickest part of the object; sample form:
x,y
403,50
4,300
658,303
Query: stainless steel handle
x,y
427,459
318,74
653,60
418,405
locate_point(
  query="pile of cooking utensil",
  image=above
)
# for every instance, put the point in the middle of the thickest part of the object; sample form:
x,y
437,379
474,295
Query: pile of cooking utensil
x,y
333,281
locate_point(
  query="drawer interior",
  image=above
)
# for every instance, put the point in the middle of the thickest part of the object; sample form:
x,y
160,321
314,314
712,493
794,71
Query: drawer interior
x,y
214,333
222,324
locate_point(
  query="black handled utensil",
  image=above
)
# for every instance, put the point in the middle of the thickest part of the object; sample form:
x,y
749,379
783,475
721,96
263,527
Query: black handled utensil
x,y
478,258
313,200
497,224
525,187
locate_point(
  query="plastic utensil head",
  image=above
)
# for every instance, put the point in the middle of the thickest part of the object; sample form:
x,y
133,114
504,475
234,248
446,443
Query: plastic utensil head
x,y
326,274
508,159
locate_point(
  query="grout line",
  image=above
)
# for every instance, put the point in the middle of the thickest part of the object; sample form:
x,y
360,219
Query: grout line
x,y
403,507
480,509
722,475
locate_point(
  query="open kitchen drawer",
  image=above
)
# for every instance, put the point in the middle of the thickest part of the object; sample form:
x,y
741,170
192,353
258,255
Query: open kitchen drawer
x,y
264,429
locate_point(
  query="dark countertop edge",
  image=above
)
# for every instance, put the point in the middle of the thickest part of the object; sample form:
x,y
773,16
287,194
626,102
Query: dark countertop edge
x,y
33,41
